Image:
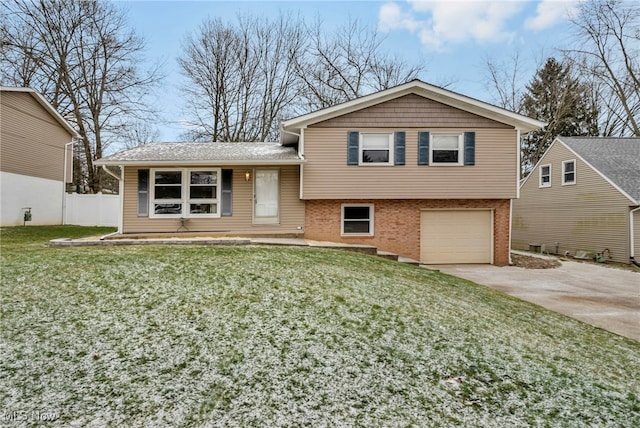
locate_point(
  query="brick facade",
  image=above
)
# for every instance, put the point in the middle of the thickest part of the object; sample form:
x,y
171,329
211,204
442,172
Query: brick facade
x,y
397,223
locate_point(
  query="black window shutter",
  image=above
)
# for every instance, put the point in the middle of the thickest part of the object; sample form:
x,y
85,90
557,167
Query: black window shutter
x,y
353,147
423,148
227,185
469,148
143,193
399,143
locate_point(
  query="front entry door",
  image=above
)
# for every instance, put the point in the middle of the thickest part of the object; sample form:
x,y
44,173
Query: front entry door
x,y
267,188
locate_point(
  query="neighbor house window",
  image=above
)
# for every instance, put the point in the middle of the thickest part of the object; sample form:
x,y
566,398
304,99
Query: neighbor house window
x,y
446,149
545,176
569,172
357,219
185,193
376,149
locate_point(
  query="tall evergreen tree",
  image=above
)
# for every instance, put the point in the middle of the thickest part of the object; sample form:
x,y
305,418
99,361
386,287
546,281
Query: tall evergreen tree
x,y
557,97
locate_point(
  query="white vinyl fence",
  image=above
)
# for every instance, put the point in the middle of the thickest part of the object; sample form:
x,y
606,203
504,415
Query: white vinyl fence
x,y
92,210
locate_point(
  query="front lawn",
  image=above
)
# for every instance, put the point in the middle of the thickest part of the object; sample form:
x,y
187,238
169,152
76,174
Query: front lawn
x,y
269,336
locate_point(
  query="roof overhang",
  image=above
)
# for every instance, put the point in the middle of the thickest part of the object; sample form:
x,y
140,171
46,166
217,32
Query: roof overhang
x,y
523,123
46,105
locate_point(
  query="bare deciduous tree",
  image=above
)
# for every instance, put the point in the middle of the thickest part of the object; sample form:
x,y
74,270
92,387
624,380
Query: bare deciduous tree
x,y
83,58
505,82
240,77
609,53
243,77
347,64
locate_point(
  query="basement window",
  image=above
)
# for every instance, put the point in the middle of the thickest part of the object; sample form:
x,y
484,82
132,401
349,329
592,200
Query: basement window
x,y
357,220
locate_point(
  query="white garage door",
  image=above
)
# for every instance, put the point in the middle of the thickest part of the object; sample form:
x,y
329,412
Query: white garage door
x,y
456,236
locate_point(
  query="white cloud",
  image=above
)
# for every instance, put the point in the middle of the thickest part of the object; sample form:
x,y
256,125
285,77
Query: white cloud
x,y
391,17
438,23
549,13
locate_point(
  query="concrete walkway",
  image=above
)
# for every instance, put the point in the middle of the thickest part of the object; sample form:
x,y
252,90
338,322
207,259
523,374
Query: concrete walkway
x,y
121,240
605,297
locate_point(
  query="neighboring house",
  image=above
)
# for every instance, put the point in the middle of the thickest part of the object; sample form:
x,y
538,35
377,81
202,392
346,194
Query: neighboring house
x,y
36,150
583,194
416,170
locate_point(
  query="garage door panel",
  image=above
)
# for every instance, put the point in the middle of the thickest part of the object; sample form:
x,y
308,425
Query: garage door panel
x,y
456,236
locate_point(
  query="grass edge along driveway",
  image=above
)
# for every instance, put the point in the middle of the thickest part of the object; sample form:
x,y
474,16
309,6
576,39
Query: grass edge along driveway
x,y
244,336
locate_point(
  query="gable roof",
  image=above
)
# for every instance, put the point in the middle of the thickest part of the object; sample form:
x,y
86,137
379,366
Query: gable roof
x,y
204,154
523,123
46,105
617,159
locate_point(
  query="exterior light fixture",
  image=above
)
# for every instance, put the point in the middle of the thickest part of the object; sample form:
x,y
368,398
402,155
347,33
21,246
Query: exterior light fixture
x,y
247,176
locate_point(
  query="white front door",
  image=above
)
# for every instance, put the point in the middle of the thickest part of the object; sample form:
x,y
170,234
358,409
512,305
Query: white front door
x,y
267,188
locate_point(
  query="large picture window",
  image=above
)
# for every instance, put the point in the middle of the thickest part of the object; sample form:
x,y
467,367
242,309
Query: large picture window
x,y
185,193
376,149
446,149
357,219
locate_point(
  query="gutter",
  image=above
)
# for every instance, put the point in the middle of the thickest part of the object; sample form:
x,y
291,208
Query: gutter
x,y
111,173
631,240
200,162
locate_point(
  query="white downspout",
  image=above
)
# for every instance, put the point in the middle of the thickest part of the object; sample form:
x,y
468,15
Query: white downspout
x,y
64,181
631,237
301,154
120,179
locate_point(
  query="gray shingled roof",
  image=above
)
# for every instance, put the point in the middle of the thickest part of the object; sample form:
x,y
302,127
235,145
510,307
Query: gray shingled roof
x,y
204,153
616,158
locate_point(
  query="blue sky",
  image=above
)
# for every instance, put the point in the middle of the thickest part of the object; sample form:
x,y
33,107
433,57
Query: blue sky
x,y
452,38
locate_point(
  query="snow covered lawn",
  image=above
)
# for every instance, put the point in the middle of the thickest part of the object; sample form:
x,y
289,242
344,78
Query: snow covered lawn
x,y
269,336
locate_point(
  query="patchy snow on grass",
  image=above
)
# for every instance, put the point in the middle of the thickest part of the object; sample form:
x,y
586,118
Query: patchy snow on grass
x,y
205,336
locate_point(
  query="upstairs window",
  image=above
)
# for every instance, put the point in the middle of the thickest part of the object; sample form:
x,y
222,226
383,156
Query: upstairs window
x,y
446,149
545,176
568,172
376,149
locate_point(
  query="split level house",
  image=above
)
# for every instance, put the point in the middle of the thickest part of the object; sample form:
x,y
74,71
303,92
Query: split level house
x,y
416,169
36,158
583,196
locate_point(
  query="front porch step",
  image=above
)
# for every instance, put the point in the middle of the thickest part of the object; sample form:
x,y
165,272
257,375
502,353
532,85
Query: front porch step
x,y
358,248
387,255
409,261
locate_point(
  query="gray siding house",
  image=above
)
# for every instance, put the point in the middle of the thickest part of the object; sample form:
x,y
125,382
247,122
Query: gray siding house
x,y
584,194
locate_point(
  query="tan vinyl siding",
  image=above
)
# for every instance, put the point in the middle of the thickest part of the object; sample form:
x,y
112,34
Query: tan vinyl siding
x,y
31,140
410,111
327,175
591,215
291,208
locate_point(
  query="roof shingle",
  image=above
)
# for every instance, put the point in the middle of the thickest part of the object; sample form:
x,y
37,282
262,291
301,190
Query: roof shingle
x,y
616,158
204,153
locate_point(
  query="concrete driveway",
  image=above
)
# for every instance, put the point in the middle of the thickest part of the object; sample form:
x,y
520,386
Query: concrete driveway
x,y
605,297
